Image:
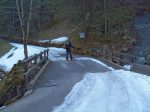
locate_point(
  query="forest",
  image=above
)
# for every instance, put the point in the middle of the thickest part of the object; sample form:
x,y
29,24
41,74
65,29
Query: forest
x,y
49,13
55,18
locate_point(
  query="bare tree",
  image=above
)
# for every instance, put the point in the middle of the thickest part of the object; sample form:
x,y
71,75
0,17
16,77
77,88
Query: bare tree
x,y
25,24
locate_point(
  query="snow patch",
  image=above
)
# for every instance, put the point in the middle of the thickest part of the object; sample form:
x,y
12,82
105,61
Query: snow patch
x,y
97,61
60,40
17,53
114,91
56,54
2,107
127,67
43,41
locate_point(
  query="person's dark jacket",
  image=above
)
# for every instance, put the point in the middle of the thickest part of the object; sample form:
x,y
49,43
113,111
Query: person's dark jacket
x,y
68,47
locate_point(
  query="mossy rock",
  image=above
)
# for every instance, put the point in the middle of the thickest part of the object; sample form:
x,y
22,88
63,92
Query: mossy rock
x,y
148,59
11,101
13,78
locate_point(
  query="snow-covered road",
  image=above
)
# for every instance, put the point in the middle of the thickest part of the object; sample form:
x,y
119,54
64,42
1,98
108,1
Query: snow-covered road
x,y
114,91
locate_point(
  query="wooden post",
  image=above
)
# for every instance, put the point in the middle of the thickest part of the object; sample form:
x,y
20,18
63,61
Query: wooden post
x,y
106,54
25,66
44,54
96,52
25,82
102,53
132,59
121,63
35,59
41,56
47,52
111,58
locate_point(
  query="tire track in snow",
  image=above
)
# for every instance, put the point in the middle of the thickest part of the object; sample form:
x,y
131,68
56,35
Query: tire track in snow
x,y
113,91
139,100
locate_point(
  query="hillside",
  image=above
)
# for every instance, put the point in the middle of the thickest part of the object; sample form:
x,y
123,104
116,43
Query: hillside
x,y
4,47
120,30
55,18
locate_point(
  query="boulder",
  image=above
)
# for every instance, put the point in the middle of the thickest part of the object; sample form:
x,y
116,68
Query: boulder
x,y
148,60
141,60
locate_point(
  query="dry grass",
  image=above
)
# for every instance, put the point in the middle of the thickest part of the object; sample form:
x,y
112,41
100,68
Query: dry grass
x,y
4,47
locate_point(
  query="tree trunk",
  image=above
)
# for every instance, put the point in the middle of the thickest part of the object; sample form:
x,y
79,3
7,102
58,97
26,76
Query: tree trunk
x,y
28,31
105,13
90,6
21,19
39,19
25,28
84,15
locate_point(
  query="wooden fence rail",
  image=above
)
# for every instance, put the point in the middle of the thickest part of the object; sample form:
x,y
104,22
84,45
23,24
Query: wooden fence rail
x,y
116,57
33,64
122,59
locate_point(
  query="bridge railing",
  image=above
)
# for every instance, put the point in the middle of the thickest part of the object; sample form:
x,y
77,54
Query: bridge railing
x,y
31,67
33,64
122,59
115,57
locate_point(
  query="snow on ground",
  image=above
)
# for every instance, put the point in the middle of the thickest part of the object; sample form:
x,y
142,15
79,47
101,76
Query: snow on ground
x,y
2,107
114,91
16,54
43,41
56,54
127,67
94,60
59,40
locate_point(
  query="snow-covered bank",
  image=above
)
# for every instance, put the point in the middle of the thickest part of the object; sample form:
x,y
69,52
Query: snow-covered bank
x,y
43,41
16,54
60,40
115,91
127,67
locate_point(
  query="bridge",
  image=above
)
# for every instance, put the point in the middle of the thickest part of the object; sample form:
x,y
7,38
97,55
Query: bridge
x,y
47,82
55,82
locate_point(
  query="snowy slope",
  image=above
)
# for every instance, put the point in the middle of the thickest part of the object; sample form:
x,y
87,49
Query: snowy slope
x,y
56,40
59,40
115,91
16,54
43,41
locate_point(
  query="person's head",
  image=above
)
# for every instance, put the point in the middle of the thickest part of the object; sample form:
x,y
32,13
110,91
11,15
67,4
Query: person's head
x,y
68,42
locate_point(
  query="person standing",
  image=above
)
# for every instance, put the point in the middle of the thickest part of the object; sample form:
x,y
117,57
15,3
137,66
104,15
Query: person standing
x,y
68,47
